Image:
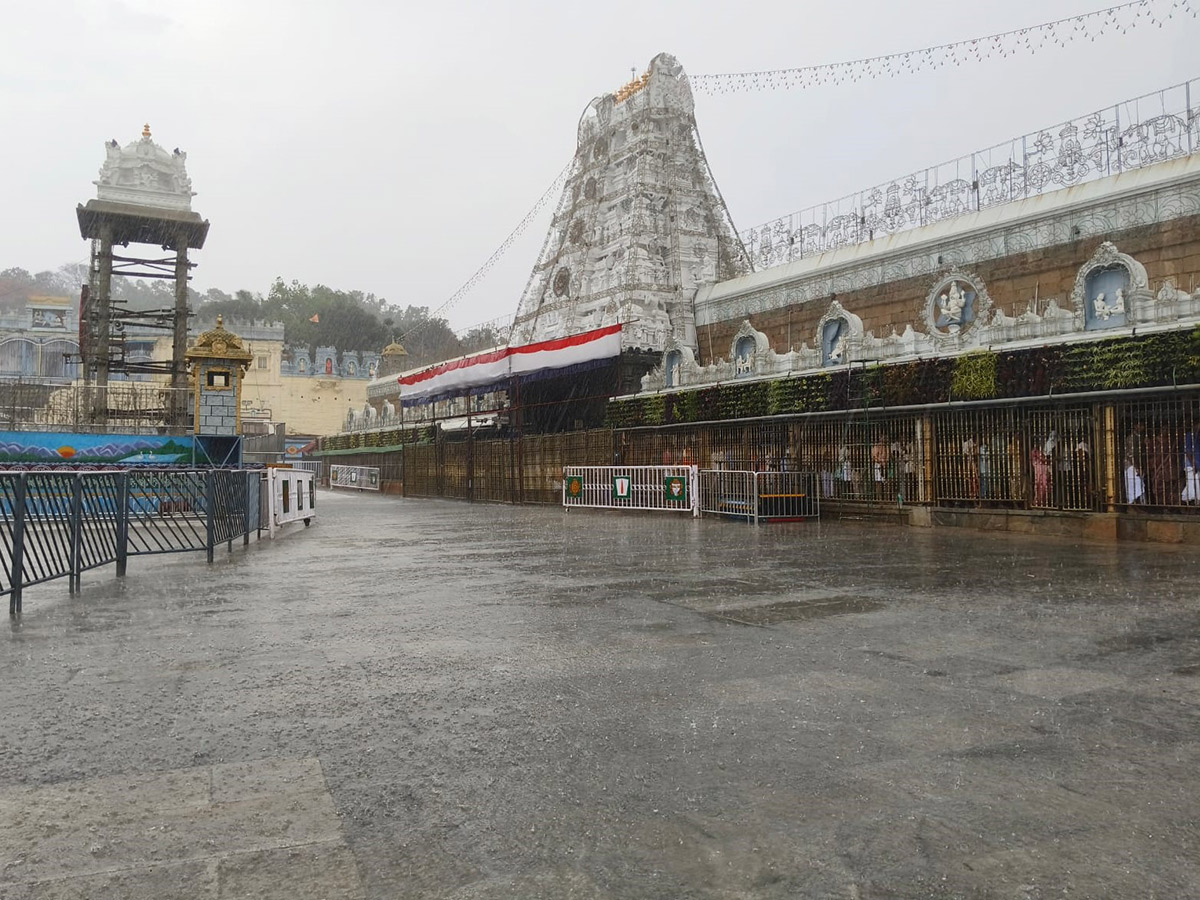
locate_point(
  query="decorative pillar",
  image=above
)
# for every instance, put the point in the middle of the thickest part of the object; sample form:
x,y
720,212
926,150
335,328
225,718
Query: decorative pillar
x,y
1112,460
218,363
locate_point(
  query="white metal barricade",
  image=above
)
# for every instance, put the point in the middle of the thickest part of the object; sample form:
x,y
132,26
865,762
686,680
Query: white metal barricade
x,y
787,495
293,497
756,496
357,478
728,493
655,488
306,465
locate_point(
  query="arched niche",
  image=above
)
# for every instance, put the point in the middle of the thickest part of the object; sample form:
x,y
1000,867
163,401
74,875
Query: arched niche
x,y
1106,287
748,346
837,331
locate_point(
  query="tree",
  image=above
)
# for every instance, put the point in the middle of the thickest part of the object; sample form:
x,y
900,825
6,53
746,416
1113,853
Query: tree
x,y
16,287
483,337
427,338
243,307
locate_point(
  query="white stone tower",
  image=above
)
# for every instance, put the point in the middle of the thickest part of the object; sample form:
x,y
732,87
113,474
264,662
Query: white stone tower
x,y
640,225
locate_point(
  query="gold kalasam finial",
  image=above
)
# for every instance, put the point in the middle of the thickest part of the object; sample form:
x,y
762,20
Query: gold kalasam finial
x,y
220,321
628,90
146,130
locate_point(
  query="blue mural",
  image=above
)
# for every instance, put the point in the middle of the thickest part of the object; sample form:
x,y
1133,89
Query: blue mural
x,y
834,335
51,447
1104,290
955,307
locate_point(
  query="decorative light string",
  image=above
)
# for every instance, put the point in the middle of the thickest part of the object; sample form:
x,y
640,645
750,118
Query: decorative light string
x,y
491,261
1086,26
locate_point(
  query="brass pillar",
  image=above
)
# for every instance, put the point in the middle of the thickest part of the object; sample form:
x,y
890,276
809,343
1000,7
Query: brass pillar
x,y
1112,462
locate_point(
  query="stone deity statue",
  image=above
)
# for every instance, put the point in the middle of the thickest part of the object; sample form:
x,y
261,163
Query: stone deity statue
x,y
952,304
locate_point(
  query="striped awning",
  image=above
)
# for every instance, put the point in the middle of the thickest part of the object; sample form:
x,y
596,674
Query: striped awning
x,y
497,367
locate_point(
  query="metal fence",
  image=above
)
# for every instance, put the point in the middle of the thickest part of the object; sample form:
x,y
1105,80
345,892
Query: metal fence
x,y
858,457
307,465
759,496
358,478
141,407
57,524
1105,453
657,488
1130,135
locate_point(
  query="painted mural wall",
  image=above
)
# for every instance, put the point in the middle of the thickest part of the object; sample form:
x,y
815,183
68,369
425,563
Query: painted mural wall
x,y
50,447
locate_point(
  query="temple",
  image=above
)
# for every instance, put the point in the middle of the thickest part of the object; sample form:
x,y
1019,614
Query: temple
x,y
1005,340
640,226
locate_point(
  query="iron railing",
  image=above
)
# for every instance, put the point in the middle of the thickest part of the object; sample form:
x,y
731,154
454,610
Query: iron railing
x,y
1130,135
1111,452
759,496
56,524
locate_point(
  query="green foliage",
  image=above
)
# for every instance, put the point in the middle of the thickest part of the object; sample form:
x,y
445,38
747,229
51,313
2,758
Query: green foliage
x,y
974,377
1123,363
624,413
798,395
654,410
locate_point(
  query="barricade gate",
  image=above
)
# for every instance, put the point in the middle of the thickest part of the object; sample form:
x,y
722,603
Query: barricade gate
x,y
652,488
759,496
355,478
293,497
62,524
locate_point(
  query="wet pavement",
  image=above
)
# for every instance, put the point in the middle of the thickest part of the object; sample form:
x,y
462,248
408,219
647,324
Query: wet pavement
x,y
418,698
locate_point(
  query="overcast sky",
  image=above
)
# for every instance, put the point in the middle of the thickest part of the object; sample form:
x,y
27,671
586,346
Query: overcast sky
x,y
390,147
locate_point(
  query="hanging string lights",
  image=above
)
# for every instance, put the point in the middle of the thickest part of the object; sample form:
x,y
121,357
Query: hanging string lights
x,y
491,261
1059,33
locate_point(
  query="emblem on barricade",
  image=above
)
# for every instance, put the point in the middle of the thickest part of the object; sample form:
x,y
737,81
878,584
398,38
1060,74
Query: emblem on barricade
x,y
622,487
676,488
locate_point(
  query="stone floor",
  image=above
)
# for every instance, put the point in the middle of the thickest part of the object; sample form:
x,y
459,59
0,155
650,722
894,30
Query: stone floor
x,y
430,699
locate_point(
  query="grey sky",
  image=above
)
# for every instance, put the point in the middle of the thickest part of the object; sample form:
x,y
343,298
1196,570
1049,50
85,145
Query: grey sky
x,y
390,147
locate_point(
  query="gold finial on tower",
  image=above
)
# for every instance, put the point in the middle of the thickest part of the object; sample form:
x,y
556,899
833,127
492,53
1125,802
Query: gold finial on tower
x,y
146,130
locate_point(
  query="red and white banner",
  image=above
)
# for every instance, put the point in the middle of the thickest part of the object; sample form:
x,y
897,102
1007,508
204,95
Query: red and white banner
x,y
498,365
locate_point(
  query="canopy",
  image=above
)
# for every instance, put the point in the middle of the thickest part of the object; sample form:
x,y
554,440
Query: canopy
x,y
496,367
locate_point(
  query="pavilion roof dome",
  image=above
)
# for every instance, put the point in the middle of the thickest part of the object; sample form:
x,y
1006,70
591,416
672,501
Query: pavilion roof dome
x,y
145,174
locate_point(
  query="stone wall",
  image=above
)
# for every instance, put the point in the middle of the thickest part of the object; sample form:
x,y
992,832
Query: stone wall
x,y
218,410
1170,251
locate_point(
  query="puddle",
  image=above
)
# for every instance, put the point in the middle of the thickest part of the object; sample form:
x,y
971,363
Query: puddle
x,y
799,610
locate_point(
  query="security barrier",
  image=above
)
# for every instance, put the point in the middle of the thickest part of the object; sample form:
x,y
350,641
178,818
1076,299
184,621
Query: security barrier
x,y
359,478
61,524
307,465
654,488
759,496
293,497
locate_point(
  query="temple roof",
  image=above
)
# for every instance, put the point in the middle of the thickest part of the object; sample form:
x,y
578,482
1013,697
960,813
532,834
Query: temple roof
x,y
143,173
220,343
136,224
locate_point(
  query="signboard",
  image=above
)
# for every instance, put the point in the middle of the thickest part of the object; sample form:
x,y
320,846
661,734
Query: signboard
x,y
622,487
676,488
574,486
